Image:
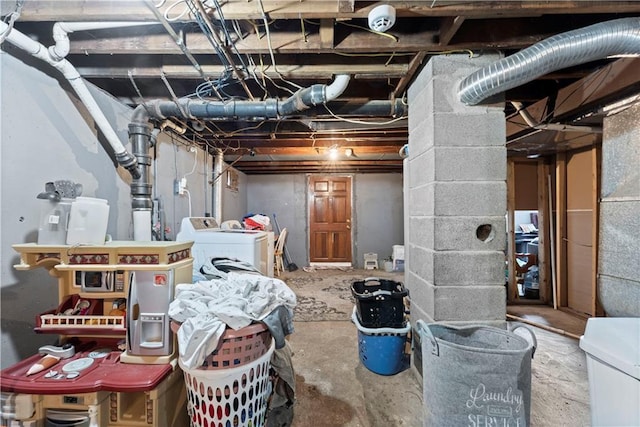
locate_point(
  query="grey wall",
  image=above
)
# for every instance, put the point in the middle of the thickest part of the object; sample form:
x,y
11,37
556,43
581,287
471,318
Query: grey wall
x,y
46,135
377,211
284,196
378,215
234,203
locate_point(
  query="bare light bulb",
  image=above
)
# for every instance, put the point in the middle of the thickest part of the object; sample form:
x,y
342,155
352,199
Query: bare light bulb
x,y
333,153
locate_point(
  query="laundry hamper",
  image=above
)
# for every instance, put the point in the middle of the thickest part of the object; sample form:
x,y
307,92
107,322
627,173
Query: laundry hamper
x,y
381,350
475,375
379,302
232,387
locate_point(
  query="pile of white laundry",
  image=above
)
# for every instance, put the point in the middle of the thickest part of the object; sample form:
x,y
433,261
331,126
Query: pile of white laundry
x,y
205,308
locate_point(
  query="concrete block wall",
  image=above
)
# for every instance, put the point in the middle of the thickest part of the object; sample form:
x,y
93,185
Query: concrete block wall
x,y
455,190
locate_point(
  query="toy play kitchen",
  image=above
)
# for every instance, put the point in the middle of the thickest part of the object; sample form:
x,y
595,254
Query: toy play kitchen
x,y
116,360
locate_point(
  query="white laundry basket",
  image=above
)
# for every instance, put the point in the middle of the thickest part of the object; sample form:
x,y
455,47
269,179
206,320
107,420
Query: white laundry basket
x,y
235,396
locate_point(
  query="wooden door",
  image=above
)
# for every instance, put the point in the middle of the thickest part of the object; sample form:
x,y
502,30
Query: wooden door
x,y
329,200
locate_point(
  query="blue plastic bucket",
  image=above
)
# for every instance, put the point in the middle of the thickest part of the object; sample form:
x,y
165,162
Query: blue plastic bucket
x,y
381,350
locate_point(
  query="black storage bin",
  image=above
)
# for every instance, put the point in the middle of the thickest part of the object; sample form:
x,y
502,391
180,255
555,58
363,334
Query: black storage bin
x,y
379,302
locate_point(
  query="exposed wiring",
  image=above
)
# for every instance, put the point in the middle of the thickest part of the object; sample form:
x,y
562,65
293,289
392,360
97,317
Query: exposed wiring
x,y
361,122
391,36
184,112
268,35
168,9
304,33
390,58
195,162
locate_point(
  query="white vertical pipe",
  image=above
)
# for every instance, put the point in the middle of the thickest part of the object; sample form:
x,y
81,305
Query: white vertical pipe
x,y
217,186
142,225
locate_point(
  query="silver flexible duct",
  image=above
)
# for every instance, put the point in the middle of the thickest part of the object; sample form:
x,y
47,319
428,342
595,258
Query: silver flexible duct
x,y
617,37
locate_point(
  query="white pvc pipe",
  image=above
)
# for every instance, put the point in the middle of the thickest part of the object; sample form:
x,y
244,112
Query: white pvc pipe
x,y
336,88
218,163
142,225
39,51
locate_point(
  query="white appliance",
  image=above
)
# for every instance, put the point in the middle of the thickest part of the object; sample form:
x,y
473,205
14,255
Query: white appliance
x,y
612,347
210,241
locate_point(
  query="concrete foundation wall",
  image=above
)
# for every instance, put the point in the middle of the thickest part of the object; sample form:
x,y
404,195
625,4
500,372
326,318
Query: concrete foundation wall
x,y
47,135
234,202
376,206
456,198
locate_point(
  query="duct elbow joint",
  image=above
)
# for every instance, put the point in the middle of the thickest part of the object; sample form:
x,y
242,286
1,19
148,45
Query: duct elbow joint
x,y
336,88
62,47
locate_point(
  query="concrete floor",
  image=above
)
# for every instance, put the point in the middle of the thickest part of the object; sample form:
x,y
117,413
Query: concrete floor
x,y
334,389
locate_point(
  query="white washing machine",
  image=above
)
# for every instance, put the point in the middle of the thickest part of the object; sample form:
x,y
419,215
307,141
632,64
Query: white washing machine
x,y
209,241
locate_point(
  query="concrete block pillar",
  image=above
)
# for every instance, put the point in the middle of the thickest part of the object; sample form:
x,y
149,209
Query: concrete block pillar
x,y
455,191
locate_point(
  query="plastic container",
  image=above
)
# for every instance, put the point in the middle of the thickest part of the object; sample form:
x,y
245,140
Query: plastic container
x,y
88,221
612,347
381,350
229,397
398,252
379,302
54,221
237,347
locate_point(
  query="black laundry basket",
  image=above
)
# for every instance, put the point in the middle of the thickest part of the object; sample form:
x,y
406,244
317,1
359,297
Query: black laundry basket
x,y
379,302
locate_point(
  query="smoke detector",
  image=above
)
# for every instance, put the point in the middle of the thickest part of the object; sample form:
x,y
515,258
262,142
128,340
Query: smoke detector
x,y
382,17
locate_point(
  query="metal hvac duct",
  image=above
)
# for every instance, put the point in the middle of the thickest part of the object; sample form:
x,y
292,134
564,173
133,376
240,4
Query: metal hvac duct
x,y
617,37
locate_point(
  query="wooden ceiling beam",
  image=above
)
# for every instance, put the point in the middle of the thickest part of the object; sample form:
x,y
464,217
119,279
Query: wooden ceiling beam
x,y
303,72
322,39
618,77
449,27
319,166
312,151
285,42
135,10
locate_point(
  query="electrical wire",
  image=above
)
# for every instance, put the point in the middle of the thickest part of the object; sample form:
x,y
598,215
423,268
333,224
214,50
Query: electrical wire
x,y
207,28
166,12
361,122
268,35
195,162
391,36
